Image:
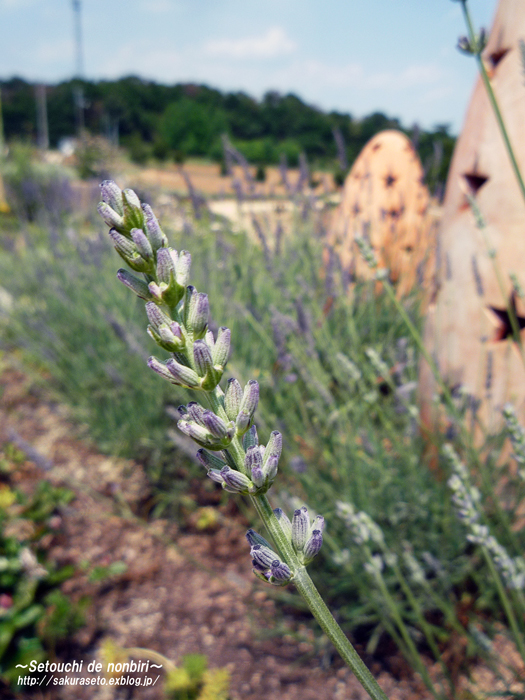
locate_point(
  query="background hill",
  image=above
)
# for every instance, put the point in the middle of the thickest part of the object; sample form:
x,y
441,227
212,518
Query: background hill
x,y
184,120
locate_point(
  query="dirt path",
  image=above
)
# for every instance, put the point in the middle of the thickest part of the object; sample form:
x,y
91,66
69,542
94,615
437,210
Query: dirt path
x,y
181,592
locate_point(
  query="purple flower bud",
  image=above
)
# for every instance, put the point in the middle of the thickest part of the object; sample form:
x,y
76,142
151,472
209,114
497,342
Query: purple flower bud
x,y
165,266
155,234
124,247
235,480
195,411
216,476
254,538
221,349
198,312
156,316
284,522
182,268
274,446
209,460
135,284
270,468
160,368
280,571
318,524
202,357
155,291
111,217
249,402
143,245
253,458
194,431
257,476
215,425
176,330
250,439
312,546
264,556
300,527
112,195
232,399
185,376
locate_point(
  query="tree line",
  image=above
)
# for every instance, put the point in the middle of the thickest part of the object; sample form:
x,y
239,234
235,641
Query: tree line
x,y
179,121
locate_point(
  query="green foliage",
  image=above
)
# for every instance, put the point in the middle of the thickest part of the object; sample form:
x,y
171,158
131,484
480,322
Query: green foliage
x,y
193,128
193,681
34,614
187,120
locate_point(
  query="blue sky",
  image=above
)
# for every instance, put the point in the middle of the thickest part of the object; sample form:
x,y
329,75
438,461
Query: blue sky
x,y
357,56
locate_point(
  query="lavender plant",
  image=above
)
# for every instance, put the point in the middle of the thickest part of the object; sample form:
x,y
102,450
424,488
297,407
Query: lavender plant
x,y
224,427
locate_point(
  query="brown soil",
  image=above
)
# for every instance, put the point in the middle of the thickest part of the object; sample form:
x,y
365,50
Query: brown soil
x,y
182,592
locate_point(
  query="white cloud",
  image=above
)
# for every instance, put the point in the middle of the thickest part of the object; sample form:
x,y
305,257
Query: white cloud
x,y
273,43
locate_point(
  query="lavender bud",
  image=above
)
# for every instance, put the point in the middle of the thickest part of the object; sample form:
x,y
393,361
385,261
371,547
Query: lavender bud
x,y
250,439
143,245
300,527
232,399
133,216
202,357
197,316
185,376
160,368
124,247
270,468
257,476
274,446
135,284
312,546
249,402
253,458
194,431
284,522
318,524
216,476
156,316
182,268
165,267
155,234
215,425
280,571
209,460
111,217
195,411
221,349
155,291
238,482
112,195
264,556
254,538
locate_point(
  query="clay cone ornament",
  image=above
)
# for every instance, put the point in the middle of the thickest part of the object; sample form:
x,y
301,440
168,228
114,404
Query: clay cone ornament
x,y
386,201
467,328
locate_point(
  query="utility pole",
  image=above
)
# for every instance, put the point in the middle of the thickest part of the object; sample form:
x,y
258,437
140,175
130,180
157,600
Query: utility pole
x,y
78,92
42,129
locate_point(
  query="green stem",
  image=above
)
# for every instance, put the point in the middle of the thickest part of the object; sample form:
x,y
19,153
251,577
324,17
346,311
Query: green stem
x,y
302,580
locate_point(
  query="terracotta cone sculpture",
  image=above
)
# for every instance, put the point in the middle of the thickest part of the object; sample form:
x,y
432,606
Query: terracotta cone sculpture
x,y
386,201
466,329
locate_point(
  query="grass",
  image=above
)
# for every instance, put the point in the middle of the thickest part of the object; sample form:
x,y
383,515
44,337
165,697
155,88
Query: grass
x,y
337,372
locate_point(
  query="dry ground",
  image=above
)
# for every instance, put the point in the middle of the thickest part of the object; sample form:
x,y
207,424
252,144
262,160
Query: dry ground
x,y
183,592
